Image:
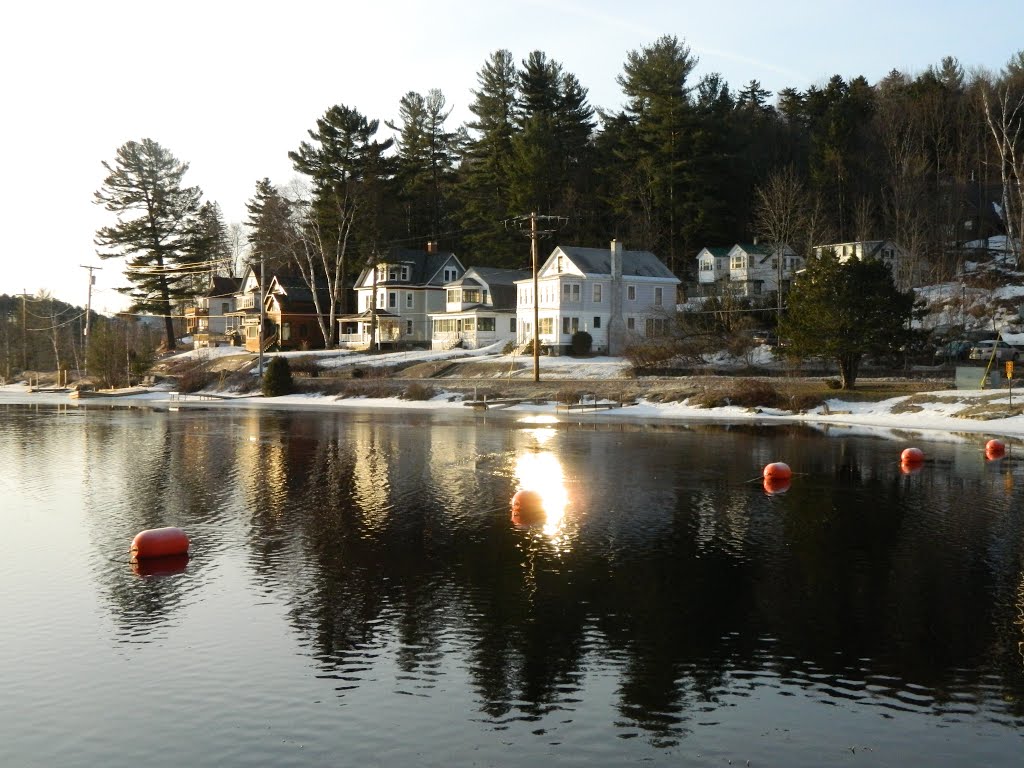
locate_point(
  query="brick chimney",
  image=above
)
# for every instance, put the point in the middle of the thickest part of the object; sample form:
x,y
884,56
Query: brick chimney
x,y
432,246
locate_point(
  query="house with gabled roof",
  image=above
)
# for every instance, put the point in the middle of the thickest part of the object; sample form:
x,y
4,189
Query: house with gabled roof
x,y
396,297
206,320
713,266
747,269
888,252
480,309
613,294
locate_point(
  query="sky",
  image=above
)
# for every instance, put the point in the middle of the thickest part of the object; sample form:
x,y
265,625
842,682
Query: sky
x,y
231,88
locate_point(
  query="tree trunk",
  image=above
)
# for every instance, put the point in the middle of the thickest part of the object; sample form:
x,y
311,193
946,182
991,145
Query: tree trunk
x,y
848,366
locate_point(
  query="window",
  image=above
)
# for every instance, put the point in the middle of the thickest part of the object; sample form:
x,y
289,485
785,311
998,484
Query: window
x,y
546,326
392,299
597,322
445,325
450,273
775,262
454,296
471,296
630,323
655,326
597,293
658,293
738,262
571,292
225,308
408,300
382,272
286,331
485,324
468,324
405,273
631,292
393,272
570,324
511,325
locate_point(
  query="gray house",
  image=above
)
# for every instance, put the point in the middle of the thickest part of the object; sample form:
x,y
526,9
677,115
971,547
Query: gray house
x,y
613,294
400,292
480,309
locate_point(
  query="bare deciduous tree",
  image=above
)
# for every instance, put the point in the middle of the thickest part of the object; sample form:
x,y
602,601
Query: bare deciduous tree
x,y
780,212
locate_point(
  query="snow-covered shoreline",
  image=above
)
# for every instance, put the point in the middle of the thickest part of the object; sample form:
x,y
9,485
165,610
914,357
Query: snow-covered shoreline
x,y
934,416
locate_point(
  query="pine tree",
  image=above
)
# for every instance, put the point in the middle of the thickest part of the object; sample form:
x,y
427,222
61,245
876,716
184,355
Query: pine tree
x,y
657,192
425,163
158,229
485,176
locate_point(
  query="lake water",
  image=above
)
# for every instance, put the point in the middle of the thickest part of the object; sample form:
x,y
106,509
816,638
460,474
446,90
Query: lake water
x,y
357,594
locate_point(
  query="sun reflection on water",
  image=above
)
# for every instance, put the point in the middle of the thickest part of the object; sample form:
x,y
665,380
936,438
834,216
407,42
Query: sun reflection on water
x,y
541,471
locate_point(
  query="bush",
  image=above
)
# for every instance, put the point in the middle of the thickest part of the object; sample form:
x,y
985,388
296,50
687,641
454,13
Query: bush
x,y
277,378
306,366
833,383
582,343
195,379
746,393
416,391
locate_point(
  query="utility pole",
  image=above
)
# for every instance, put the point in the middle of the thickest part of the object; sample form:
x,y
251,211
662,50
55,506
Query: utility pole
x,y
535,235
88,313
262,288
24,330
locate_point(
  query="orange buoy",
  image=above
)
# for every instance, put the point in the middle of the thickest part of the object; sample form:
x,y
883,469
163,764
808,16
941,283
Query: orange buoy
x,y
159,542
776,485
527,507
912,456
994,449
778,470
910,467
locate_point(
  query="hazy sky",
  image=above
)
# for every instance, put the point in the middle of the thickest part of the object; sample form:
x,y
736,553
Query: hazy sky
x,y
230,88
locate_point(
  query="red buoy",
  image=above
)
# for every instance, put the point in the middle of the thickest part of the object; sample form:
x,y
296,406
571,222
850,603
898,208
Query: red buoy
x,y
778,470
527,507
773,486
911,468
912,456
994,449
159,542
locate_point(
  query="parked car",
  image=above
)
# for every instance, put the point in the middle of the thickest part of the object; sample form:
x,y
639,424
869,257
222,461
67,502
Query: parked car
x,y
764,337
953,351
982,350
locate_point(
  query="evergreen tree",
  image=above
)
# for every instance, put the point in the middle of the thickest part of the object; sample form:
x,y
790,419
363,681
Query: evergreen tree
x,y
485,174
346,167
425,163
158,229
271,234
845,310
551,150
657,193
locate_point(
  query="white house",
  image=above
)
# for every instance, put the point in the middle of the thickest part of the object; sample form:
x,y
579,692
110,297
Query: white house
x,y
612,294
206,321
402,290
754,268
888,252
713,266
480,309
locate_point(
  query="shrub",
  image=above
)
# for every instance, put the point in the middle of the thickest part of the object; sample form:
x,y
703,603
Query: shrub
x,y
582,343
833,383
307,366
195,379
747,393
417,391
568,396
277,378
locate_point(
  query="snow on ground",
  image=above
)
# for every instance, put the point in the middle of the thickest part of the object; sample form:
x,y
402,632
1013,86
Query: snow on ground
x,y
935,416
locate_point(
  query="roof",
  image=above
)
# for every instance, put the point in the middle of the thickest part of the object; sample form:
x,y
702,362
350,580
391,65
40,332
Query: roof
x,y
597,261
221,286
717,250
424,265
